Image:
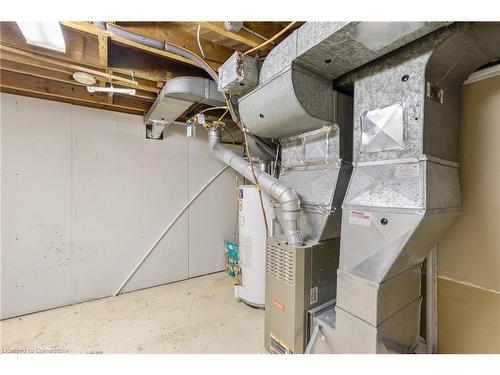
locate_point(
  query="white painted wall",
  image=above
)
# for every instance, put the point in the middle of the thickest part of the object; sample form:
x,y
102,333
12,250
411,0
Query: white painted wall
x,y
84,195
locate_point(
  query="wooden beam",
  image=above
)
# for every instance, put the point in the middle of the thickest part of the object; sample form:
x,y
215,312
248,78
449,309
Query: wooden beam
x,y
103,61
269,29
62,76
7,56
57,90
94,30
65,64
215,54
82,48
241,36
63,99
103,50
124,81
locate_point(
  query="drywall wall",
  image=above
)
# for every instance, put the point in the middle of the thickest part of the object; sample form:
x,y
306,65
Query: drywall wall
x,y
85,194
469,253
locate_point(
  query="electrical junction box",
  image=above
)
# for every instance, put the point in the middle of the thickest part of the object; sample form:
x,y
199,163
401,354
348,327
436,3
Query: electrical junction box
x,y
238,75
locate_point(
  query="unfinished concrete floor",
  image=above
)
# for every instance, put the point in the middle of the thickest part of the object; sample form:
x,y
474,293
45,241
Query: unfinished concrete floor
x,y
194,316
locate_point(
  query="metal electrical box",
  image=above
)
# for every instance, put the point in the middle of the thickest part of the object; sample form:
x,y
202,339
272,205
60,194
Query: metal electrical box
x,y
238,75
298,278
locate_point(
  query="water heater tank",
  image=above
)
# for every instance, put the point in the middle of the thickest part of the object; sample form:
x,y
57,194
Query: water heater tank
x,y
252,238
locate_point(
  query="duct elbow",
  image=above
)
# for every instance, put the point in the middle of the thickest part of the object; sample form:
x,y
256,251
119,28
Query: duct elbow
x,y
287,197
290,215
213,140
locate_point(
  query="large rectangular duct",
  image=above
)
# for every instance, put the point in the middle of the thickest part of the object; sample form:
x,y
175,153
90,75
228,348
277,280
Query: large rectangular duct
x,y
295,82
404,191
317,165
176,96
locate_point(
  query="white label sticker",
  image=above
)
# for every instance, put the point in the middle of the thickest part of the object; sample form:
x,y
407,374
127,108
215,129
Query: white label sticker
x,y
313,295
360,218
406,171
245,251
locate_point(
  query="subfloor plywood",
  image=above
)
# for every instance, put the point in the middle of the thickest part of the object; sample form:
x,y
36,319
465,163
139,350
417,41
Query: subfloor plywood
x,y
199,315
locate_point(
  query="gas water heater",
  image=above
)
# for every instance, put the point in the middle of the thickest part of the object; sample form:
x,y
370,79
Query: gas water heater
x,y
252,239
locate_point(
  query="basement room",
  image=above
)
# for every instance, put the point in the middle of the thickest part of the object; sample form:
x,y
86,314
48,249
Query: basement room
x,y
290,183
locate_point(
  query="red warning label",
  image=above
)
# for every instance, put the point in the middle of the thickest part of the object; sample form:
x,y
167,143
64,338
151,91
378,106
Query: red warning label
x,y
360,218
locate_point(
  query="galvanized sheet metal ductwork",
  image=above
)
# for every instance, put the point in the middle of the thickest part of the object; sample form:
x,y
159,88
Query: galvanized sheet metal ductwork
x,y
294,101
178,94
404,192
317,165
158,44
289,201
295,90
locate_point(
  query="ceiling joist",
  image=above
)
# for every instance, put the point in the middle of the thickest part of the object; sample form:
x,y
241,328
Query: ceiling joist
x,y
112,59
53,89
241,36
44,61
87,27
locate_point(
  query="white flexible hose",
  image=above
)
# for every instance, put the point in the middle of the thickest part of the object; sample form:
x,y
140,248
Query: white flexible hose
x,y
157,241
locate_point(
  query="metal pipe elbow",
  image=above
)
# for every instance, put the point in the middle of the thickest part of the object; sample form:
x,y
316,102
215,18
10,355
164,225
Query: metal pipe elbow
x,y
289,214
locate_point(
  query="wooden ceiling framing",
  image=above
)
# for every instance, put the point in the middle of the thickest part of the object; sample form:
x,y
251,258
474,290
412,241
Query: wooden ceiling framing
x,y
42,73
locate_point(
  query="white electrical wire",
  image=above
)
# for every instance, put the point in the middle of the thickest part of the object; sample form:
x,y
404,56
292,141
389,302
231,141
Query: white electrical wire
x,y
199,43
256,34
270,39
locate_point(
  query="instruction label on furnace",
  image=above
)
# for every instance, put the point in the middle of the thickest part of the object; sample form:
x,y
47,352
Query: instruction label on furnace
x,y
360,218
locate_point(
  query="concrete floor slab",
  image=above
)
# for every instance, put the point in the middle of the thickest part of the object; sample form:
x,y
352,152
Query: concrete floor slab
x,y
199,315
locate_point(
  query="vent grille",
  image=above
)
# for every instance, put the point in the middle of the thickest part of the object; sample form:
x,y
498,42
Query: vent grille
x,y
280,263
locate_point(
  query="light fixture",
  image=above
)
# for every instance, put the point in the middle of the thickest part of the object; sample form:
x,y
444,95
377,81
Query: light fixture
x,y
84,78
112,89
43,34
